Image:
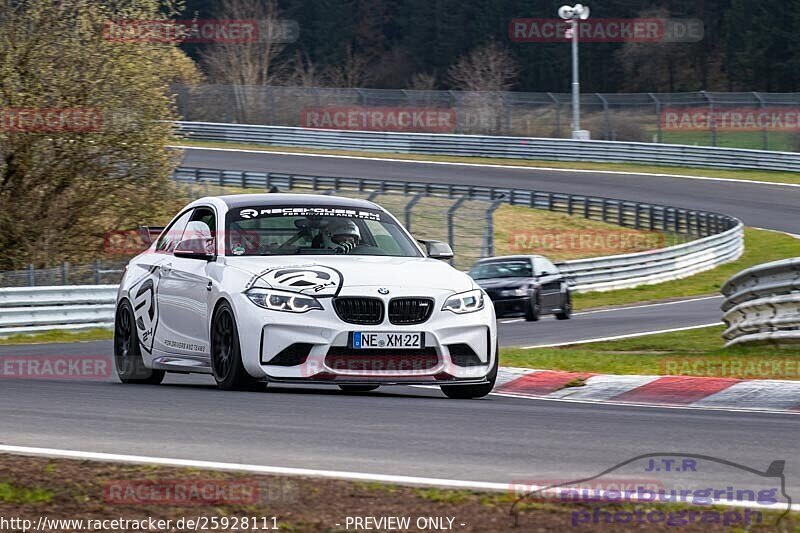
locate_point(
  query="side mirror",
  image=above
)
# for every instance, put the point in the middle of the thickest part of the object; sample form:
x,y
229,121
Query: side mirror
x,y
194,249
149,234
438,250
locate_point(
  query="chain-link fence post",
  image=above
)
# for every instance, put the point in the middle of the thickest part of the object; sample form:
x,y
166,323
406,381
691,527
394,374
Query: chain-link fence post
x,y
606,120
658,116
96,271
31,275
711,126
488,238
451,230
764,124
64,273
409,208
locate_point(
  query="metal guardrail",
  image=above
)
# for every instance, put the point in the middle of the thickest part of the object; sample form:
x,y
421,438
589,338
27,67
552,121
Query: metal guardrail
x,y
74,307
494,146
762,304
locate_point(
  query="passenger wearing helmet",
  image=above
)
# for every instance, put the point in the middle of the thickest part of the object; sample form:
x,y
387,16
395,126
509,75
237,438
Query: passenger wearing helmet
x,y
343,236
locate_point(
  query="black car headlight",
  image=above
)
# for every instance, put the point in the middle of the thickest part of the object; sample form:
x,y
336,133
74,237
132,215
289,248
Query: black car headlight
x,y
464,302
291,302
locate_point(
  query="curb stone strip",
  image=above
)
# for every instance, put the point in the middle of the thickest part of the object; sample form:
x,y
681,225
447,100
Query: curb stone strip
x,y
689,391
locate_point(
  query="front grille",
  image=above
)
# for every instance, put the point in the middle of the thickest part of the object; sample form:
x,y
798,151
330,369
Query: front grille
x,y
381,360
359,310
293,355
404,311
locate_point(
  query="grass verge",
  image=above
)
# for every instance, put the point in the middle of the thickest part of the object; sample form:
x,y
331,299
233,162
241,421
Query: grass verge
x,y
95,334
696,352
746,175
94,492
761,246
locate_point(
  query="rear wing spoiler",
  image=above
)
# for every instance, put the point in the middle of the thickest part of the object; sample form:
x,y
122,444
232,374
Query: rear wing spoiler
x,y
149,234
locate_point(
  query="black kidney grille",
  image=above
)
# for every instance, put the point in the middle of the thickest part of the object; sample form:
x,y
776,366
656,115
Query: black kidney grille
x,y
410,310
359,310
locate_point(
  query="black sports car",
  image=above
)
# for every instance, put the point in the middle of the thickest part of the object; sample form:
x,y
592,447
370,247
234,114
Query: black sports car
x,y
528,285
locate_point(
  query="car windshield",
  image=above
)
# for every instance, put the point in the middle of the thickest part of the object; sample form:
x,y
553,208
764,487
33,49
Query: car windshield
x,y
312,230
502,269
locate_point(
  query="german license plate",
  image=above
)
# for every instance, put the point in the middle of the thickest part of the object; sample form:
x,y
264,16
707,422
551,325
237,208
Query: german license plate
x,y
373,340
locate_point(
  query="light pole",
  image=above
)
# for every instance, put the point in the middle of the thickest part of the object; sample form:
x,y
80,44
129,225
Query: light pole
x,y
573,14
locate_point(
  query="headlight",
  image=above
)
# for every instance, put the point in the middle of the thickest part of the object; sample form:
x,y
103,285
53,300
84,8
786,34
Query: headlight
x,y
465,302
283,301
519,291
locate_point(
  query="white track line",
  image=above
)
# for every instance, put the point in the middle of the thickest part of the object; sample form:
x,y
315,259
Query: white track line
x,y
617,337
485,165
795,235
254,469
279,470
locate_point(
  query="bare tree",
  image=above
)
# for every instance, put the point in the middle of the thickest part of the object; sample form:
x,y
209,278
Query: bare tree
x,y
490,67
666,66
352,72
303,72
422,81
244,65
484,73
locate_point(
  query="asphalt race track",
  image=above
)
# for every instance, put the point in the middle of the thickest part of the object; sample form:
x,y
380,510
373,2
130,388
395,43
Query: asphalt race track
x,y
396,430
412,430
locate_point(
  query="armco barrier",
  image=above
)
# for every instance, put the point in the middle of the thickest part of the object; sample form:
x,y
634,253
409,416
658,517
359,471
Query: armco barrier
x,y
762,304
31,309
490,146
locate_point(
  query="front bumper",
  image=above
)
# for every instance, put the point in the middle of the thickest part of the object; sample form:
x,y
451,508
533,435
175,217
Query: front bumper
x,y
511,306
265,335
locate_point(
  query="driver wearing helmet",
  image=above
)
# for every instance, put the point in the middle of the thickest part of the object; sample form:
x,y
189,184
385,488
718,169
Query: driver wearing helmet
x,y
343,236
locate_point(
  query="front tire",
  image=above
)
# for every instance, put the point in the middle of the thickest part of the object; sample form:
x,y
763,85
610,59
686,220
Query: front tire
x,y
127,352
566,308
467,392
226,353
534,309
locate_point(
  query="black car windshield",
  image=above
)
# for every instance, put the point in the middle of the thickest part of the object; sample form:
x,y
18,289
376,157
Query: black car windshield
x,y
502,269
312,230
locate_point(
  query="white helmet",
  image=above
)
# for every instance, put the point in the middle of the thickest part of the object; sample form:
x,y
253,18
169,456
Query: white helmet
x,y
341,229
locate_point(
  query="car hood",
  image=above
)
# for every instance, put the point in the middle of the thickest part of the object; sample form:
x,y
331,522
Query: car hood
x,y
326,275
502,283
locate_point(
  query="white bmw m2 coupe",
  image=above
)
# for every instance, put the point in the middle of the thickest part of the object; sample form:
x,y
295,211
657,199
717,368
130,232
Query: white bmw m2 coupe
x,y
299,288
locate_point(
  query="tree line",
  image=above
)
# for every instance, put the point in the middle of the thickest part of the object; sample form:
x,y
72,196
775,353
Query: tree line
x,y
418,44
